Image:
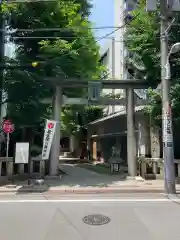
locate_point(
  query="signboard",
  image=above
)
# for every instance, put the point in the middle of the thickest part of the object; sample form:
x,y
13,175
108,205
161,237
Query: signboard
x,y
94,90
48,138
8,126
167,127
22,153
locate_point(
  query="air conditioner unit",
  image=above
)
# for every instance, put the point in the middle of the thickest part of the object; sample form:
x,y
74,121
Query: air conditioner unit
x,y
151,5
176,6
131,5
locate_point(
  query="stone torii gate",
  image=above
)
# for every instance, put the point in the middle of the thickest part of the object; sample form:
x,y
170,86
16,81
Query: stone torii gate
x,y
59,84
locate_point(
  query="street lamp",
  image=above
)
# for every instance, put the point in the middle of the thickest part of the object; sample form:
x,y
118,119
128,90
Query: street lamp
x,y
168,148
174,49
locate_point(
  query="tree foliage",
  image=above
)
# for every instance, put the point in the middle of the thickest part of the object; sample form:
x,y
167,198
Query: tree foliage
x,y
76,118
70,51
143,40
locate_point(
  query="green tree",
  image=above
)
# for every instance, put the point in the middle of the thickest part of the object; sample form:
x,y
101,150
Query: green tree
x,y
143,40
69,52
75,119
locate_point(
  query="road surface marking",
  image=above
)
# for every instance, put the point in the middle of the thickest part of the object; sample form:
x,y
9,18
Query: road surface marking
x,y
84,200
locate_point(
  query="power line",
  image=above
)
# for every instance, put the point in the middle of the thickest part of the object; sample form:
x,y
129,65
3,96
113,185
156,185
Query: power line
x,y
64,37
71,37
126,38
97,40
59,29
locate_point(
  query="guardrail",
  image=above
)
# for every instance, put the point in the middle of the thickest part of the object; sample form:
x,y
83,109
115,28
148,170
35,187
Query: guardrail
x,y
9,169
154,168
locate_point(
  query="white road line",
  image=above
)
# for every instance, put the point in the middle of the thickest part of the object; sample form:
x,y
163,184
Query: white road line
x,y
84,200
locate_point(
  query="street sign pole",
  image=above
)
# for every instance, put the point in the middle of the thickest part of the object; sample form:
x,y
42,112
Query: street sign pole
x,y
7,145
168,150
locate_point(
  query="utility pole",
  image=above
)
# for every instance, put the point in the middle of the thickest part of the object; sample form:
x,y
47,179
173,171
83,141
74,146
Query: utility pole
x,y
2,23
168,151
1,54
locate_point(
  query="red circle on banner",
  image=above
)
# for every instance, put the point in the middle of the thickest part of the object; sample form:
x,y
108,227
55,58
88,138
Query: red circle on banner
x,y
8,126
50,125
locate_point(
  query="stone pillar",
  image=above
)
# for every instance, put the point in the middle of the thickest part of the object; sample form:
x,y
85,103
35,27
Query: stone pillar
x,y
131,140
143,144
42,168
21,168
155,142
143,138
9,168
155,148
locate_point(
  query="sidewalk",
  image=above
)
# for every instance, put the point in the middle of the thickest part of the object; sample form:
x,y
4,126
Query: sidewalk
x,y
79,180
127,187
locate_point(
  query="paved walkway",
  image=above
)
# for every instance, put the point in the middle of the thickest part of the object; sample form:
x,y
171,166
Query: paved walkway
x,y
77,176
80,180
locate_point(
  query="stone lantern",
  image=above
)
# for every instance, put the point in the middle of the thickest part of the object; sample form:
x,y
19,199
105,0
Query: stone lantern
x,y
115,160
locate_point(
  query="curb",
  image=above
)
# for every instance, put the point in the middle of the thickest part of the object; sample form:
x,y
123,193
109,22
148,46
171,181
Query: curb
x,y
105,191
173,197
83,191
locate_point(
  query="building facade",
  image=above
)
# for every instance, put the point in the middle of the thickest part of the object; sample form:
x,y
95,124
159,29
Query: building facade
x,y
111,130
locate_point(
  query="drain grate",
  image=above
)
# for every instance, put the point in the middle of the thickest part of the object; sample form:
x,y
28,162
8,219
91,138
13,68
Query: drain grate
x,y
96,219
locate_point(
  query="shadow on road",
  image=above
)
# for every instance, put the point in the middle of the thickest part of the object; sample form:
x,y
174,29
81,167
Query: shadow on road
x,y
75,177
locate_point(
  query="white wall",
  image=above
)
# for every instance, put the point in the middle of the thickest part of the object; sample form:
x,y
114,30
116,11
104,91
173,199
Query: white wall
x,y
119,38
115,49
119,14
109,62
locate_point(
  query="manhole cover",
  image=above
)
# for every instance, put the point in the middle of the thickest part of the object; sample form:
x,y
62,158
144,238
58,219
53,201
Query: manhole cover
x,y
96,219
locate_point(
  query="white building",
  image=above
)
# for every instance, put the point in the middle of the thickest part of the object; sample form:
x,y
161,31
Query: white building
x,y
114,54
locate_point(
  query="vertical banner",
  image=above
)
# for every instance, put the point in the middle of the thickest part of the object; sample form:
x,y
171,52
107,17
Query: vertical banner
x,y
48,138
167,127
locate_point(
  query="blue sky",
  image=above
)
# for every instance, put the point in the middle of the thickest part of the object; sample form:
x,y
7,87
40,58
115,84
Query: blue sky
x,y
102,15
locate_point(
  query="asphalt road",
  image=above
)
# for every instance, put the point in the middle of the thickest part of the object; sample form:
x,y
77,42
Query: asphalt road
x,y
54,217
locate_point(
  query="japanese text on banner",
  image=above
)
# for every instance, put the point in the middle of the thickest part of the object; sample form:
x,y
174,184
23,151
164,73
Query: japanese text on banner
x,y
48,138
